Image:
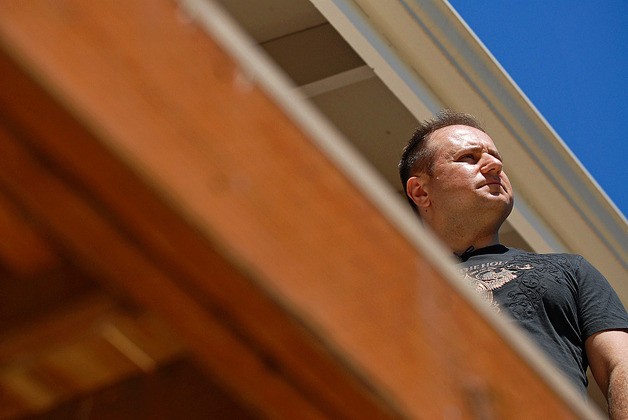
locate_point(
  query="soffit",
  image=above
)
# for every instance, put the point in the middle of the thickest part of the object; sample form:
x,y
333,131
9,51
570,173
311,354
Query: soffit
x,y
270,19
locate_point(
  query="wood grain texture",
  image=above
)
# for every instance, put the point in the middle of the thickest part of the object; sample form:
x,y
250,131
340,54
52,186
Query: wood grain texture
x,y
160,168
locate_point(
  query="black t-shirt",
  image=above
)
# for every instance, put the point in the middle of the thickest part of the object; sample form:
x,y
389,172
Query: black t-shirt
x,y
560,299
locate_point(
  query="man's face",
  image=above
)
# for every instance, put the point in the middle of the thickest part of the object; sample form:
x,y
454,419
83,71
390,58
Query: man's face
x,y
468,183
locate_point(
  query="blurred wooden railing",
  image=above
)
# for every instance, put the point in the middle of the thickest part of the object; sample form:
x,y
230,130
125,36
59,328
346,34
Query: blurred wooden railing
x,y
156,165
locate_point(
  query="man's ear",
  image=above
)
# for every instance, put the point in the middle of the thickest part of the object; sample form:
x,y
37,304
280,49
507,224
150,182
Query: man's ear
x,y
415,188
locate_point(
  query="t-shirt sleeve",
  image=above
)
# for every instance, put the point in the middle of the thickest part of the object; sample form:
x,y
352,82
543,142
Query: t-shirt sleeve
x,y
599,306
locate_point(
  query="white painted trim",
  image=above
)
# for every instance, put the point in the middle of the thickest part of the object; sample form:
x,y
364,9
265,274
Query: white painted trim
x,y
534,230
337,81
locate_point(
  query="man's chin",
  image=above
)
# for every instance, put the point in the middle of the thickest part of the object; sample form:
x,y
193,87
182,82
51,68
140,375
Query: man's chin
x,y
501,204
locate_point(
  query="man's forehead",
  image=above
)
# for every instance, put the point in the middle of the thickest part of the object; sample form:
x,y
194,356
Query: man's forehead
x,y
461,136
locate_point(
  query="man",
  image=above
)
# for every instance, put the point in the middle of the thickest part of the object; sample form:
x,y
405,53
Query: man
x,y
454,179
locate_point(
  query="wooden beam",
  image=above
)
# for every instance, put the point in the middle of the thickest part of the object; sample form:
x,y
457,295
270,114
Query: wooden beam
x,y
55,328
22,250
111,254
158,167
87,344
183,277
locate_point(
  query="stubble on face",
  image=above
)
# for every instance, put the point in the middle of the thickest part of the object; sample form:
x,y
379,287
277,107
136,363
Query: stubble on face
x,y
467,186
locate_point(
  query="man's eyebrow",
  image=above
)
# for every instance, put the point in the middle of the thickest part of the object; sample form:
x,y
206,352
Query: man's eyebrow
x,y
477,147
495,153
469,148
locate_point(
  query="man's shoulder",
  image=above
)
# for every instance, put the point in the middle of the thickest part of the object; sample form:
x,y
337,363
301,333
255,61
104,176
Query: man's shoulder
x,y
549,256
506,255
566,262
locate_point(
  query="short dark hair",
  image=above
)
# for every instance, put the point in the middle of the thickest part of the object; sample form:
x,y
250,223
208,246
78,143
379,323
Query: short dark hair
x,y
417,157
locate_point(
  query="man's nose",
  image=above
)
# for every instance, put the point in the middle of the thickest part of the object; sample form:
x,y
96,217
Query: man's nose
x,y
491,165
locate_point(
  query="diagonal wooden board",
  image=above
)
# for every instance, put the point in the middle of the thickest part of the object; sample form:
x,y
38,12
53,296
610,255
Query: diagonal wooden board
x,y
138,144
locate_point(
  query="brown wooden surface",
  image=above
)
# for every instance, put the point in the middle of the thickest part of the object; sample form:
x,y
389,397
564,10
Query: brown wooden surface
x,y
132,140
178,391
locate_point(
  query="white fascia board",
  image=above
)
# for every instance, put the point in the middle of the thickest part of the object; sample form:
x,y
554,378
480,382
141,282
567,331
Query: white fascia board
x,y
533,229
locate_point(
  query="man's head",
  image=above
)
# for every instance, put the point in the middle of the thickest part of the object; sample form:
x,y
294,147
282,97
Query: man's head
x,y
418,155
452,174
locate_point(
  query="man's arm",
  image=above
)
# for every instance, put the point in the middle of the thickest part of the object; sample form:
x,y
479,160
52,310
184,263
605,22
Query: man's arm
x,y
607,352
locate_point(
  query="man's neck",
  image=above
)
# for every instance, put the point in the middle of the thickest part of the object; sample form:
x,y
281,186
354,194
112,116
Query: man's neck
x,y
459,247
461,234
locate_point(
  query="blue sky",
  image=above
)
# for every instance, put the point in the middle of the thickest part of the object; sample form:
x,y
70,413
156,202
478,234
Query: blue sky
x,y
570,57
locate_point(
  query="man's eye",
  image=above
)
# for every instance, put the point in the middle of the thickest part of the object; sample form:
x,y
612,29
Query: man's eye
x,y
467,158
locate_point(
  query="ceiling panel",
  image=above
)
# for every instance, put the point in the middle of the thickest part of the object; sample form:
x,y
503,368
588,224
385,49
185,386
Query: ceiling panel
x,y
270,19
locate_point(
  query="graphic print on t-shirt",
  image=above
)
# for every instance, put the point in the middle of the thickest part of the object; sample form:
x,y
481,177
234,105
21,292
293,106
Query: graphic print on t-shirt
x,y
528,269
488,277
